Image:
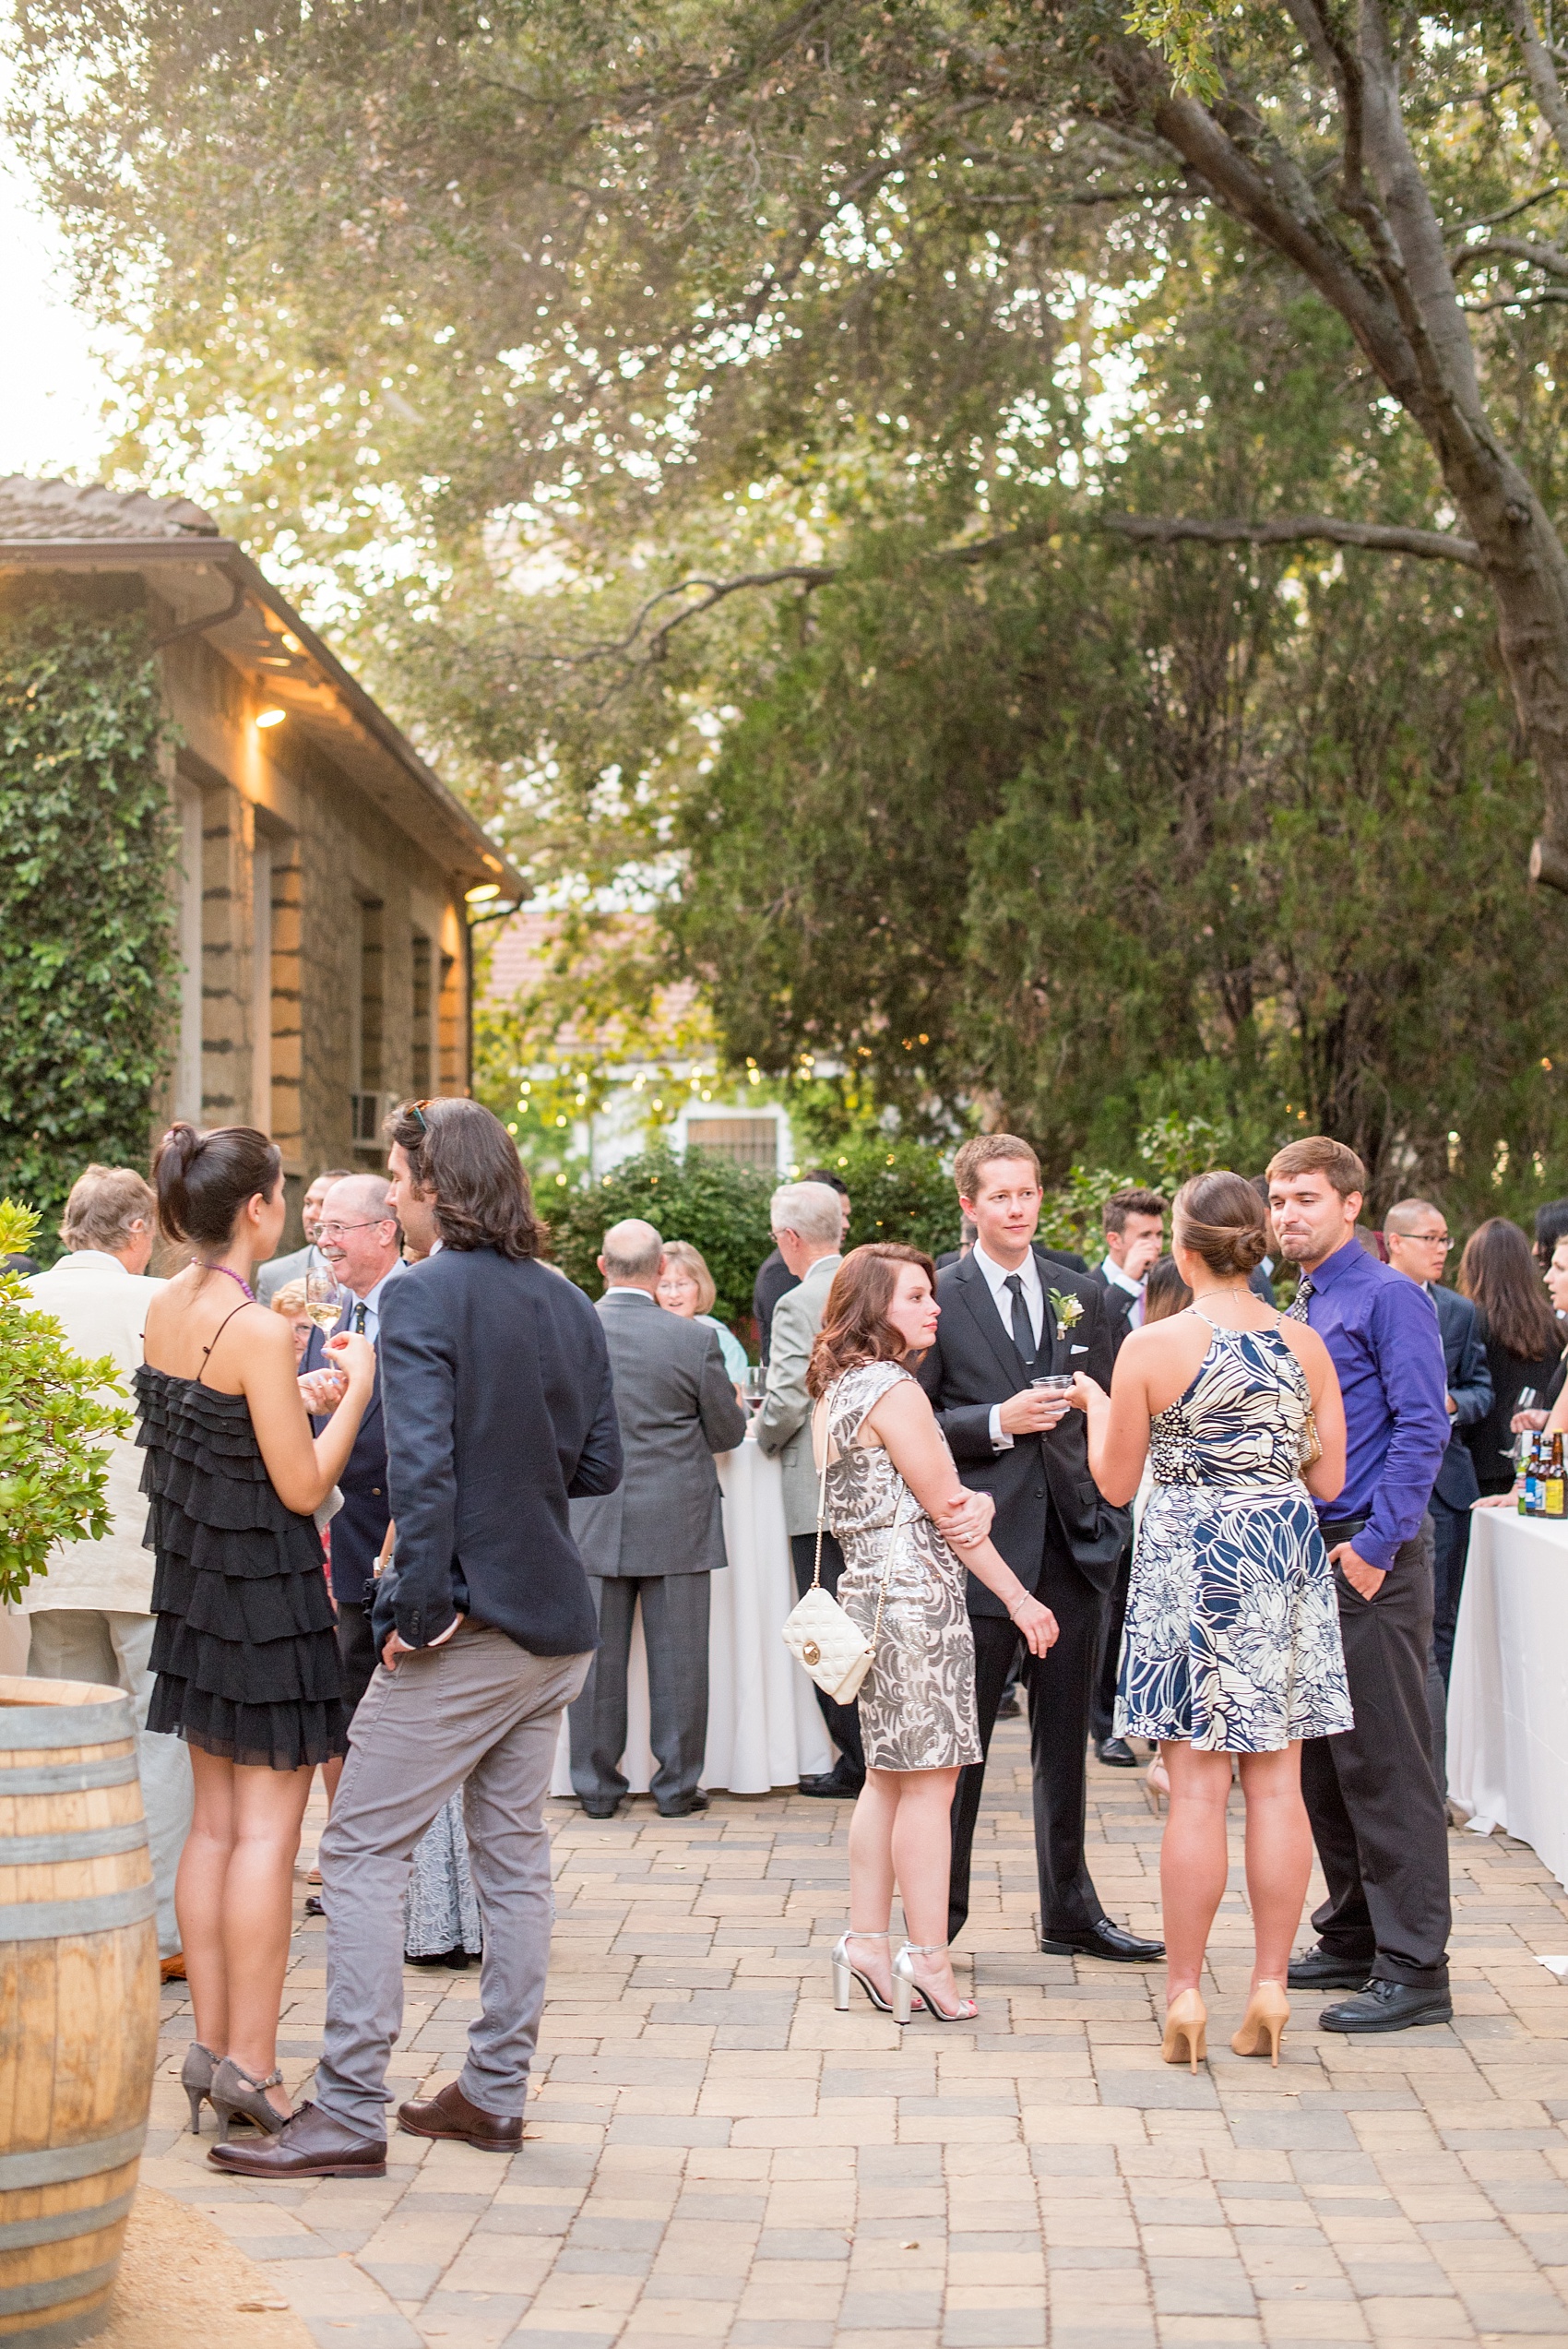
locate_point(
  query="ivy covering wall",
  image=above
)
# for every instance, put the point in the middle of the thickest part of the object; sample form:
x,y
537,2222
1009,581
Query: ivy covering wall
x,y
88,993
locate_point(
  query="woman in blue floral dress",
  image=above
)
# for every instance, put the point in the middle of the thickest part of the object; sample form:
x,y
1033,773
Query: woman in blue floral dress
x,y
1232,1645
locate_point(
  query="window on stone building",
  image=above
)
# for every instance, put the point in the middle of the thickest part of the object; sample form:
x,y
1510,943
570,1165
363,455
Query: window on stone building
x,y
423,1061
367,1039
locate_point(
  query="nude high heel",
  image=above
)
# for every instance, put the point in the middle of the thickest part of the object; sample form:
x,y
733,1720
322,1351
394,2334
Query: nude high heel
x,y
1268,2011
1186,2031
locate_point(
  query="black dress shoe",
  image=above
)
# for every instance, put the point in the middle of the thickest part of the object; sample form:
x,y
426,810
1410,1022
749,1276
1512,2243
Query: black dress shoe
x,y
1102,1940
1116,1751
1387,2006
313,1904
684,1811
310,2144
1319,1969
830,1787
456,1961
1009,1709
595,1808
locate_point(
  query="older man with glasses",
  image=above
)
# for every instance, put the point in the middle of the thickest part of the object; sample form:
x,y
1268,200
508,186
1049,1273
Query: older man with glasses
x,y
360,1238
1416,1237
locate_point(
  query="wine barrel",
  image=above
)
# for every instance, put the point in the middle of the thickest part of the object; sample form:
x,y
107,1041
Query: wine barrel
x,y
78,2003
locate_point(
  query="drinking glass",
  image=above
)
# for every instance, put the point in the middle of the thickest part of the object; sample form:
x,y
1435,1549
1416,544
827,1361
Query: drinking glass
x,y
323,1305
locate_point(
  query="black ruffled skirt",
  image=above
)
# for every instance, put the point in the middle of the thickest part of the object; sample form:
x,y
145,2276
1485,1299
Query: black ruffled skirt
x,y
245,1646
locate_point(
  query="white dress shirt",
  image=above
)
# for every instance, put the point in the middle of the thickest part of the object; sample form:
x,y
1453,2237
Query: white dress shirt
x,y
1135,1289
996,1279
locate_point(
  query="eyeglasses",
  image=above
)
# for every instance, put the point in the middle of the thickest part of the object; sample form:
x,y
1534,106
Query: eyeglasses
x,y
1428,1239
336,1231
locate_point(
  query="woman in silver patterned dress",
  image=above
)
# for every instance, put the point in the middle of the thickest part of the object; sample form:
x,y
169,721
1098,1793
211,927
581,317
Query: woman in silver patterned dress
x,y
894,1502
1232,1645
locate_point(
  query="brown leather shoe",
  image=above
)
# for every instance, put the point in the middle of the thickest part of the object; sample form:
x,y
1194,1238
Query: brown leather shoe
x,y
310,2144
450,2114
172,1969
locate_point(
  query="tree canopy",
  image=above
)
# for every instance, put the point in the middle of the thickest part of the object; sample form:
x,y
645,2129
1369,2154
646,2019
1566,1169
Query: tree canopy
x,y
1012,528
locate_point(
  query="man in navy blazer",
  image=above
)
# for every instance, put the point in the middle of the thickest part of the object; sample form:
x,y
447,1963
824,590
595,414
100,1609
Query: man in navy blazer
x,y
496,1389
359,1237
1416,1235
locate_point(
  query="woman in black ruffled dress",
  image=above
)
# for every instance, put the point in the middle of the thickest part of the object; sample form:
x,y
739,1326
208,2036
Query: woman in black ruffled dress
x,y
243,1648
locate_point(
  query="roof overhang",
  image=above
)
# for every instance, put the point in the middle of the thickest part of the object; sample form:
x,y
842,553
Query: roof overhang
x,y
214,589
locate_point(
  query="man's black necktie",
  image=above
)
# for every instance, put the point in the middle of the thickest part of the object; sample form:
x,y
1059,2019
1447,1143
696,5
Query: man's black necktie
x,y
1022,1328
359,1318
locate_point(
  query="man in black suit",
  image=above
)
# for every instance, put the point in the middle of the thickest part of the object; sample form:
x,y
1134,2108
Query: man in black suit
x,y
1134,1225
496,1388
1416,1235
1010,1315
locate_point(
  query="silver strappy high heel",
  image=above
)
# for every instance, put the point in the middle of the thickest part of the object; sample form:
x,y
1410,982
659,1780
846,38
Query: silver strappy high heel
x,y
904,1986
845,1971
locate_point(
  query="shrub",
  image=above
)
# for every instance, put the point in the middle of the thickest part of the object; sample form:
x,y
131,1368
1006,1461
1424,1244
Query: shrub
x,y
721,1208
54,1408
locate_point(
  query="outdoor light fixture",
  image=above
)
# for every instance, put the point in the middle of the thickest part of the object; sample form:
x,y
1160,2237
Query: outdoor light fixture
x,y
270,717
483,895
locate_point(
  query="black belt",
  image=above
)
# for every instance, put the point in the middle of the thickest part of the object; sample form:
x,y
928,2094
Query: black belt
x,y
1343,1529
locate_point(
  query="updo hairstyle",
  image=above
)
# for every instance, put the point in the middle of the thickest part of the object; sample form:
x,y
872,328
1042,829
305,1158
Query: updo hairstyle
x,y
203,1180
1220,1218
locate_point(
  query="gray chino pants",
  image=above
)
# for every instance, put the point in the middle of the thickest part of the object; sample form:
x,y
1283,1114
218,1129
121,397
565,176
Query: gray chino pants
x,y
479,1709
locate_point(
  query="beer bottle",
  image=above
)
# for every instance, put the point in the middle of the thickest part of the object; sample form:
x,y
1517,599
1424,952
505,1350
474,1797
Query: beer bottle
x,y
1555,1503
1531,1503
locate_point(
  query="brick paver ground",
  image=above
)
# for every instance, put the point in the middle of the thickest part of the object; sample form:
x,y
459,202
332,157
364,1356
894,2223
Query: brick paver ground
x,y
715,2155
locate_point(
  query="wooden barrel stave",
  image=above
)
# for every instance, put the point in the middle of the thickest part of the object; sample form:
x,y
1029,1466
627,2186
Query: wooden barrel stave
x,y
79,2006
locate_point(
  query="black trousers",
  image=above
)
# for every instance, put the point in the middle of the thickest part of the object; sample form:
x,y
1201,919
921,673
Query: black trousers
x,y
1102,1699
356,1651
1451,1541
1378,1819
1058,1686
843,1720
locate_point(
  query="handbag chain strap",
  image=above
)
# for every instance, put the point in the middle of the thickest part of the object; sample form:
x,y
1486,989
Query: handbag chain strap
x,y
821,1511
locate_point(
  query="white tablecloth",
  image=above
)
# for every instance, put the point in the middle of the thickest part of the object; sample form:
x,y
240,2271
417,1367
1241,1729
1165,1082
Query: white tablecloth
x,y
763,1729
1508,1697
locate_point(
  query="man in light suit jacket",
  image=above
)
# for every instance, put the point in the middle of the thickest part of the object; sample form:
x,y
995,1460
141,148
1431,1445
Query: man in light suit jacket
x,y
496,1390
90,1617
807,1230
1000,1329
1416,1235
657,1537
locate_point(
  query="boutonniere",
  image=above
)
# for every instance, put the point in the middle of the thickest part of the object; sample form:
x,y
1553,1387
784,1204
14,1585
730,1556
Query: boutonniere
x,y
1067,1309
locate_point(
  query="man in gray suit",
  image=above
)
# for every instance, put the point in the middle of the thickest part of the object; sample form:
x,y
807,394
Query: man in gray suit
x,y
807,1232
657,1537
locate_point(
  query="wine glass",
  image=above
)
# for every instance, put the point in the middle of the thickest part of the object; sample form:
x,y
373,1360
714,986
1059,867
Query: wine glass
x,y
323,1305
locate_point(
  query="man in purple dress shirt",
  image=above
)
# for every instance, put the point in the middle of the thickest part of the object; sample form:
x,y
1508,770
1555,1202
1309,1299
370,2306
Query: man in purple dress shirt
x,y
1378,1819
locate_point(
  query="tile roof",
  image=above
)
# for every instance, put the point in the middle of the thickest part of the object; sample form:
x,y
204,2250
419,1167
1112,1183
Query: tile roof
x,y
34,510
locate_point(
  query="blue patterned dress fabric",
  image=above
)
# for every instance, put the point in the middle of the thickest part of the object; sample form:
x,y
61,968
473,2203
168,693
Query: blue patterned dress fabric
x,y
917,1702
1232,1632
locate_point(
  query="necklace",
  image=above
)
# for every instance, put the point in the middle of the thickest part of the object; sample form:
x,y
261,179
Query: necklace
x,y
250,1292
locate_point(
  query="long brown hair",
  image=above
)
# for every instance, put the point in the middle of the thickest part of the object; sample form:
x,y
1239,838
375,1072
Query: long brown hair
x,y
1497,1272
457,1150
855,1327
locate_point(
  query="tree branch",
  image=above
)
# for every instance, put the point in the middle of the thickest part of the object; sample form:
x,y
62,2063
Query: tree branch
x,y
1542,72
1387,538
1515,248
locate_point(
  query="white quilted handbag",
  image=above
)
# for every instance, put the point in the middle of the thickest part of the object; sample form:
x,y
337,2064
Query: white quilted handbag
x,y
818,1633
